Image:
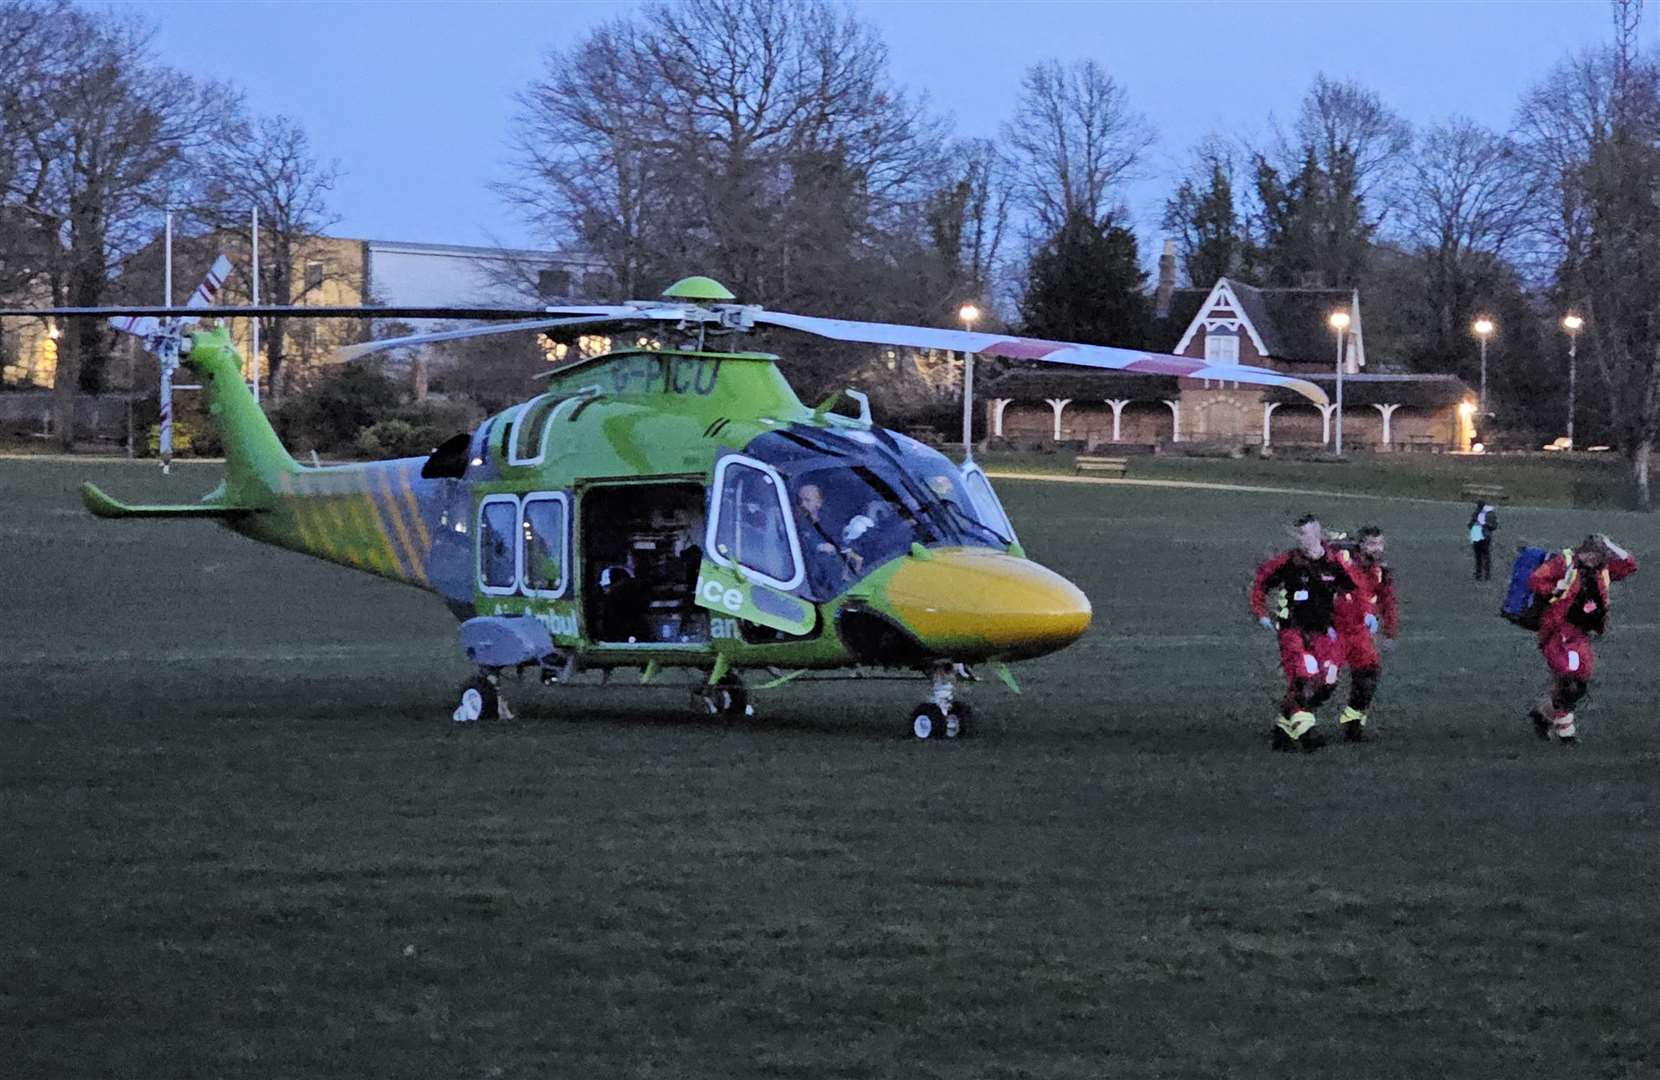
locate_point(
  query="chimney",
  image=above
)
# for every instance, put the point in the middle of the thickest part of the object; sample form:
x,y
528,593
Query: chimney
x,y
1167,280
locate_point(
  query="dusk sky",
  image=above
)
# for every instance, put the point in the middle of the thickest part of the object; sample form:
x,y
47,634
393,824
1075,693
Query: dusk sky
x,y
414,99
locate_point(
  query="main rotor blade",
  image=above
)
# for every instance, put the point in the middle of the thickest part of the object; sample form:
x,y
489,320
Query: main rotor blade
x,y
1051,352
619,315
303,311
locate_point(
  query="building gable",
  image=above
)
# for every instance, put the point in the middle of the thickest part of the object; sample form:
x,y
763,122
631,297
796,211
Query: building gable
x,y
1222,310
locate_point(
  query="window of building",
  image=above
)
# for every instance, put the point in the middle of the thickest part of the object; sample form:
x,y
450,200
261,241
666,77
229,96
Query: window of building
x,y
544,538
1222,348
498,549
313,275
598,286
551,283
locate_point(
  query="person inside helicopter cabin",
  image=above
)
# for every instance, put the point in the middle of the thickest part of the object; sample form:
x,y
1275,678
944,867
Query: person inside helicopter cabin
x,y
1574,586
828,567
1305,583
1484,522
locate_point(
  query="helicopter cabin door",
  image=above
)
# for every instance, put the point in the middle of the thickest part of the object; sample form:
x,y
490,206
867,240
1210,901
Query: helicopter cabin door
x,y
751,552
640,559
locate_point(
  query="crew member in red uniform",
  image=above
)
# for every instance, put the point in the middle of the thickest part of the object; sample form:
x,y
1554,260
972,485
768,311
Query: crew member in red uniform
x,y
1359,616
1575,584
1306,582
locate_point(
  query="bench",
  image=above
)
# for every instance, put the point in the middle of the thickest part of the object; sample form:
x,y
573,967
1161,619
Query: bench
x,y
1113,466
1484,492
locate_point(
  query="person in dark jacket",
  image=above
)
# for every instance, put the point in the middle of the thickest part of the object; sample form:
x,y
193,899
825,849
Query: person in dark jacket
x,y
1305,582
1484,522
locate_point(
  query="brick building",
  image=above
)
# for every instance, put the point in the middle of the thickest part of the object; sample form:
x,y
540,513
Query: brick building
x,y
1230,322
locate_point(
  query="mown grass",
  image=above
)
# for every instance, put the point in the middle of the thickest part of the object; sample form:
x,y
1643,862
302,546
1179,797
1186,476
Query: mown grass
x,y
1531,479
239,839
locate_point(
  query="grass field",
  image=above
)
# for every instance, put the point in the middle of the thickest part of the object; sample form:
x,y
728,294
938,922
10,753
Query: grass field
x,y
1536,479
238,837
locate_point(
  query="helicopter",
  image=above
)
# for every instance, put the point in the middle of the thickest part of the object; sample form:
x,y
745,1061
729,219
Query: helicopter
x,y
673,507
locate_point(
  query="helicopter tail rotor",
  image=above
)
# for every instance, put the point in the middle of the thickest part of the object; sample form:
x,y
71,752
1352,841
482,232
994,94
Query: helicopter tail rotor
x,y
165,338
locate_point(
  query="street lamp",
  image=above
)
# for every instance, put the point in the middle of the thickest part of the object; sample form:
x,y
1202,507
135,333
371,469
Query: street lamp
x,y
1571,323
968,313
1484,329
1339,321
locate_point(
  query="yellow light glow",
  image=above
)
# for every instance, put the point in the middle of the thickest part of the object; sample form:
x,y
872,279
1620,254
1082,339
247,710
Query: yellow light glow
x,y
969,314
1483,326
1571,322
1339,320
54,332
1466,409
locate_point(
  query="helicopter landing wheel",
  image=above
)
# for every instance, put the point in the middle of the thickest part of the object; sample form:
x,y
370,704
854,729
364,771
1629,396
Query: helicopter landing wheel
x,y
929,721
728,698
480,700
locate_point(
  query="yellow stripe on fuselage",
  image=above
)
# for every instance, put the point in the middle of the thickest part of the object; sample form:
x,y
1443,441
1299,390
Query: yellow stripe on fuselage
x,y
411,553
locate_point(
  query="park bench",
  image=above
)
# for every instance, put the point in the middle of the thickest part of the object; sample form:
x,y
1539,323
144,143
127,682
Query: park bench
x,y
1484,492
1112,466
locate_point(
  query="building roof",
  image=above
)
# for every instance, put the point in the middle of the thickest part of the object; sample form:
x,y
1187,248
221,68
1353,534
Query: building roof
x,y
1077,383
1411,391
1290,323
1086,384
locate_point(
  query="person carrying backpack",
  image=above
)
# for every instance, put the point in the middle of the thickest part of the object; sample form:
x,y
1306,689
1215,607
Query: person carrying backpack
x,y
1484,522
1573,586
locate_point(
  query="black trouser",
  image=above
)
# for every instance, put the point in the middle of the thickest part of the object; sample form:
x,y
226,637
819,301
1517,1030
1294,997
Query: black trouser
x,y
1484,559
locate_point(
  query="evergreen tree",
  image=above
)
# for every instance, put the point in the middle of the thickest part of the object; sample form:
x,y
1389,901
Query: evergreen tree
x,y
1086,284
1207,229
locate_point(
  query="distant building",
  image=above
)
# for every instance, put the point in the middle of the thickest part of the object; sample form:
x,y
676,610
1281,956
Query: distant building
x,y
1230,322
347,272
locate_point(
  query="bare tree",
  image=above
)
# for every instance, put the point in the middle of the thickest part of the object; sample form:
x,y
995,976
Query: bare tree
x,y
1343,122
267,163
1591,132
1074,138
1463,207
111,148
758,140
587,168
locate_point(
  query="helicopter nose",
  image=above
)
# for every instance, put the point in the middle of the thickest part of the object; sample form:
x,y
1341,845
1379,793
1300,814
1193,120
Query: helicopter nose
x,y
972,605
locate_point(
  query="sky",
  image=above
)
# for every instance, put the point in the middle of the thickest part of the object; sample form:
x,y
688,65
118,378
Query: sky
x,y
415,100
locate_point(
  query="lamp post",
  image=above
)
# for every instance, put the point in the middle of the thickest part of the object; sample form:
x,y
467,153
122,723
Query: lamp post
x,y
1484,329
1339,321
968,313
1571,323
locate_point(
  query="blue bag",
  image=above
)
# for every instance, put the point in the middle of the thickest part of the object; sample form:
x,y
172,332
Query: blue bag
x,y
1521,605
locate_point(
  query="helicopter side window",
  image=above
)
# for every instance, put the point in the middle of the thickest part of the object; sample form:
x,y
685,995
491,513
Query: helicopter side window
x,y
543,557
751,526
498,549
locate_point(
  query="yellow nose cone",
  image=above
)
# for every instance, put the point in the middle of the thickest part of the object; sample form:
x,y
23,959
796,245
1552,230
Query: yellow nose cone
x,y
974,604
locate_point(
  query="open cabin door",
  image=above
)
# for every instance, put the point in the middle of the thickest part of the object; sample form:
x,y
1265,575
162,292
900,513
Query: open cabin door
x,y
987,506
752,553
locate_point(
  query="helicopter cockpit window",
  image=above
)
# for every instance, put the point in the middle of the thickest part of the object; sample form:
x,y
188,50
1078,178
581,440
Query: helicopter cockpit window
x,y
987,506
751,526
498,548
977,520
850,522
544,544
